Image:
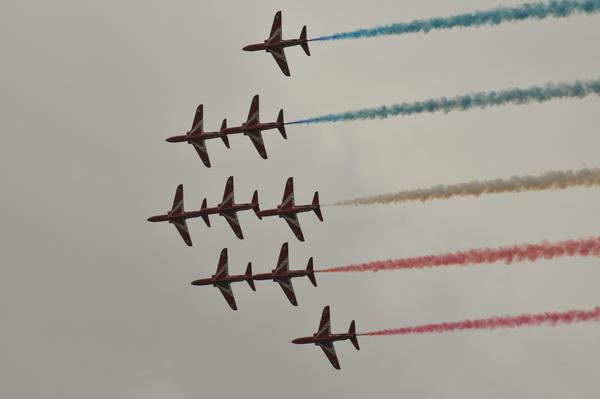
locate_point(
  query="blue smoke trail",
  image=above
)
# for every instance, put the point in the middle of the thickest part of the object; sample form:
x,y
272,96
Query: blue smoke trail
x,y
555,8
538,94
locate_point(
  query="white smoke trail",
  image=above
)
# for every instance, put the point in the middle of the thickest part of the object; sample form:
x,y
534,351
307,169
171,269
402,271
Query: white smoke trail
x,y
556,180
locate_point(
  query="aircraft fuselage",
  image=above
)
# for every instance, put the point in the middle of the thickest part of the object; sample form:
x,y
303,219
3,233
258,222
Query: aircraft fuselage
x,y
275,276
322,339
221,280
258,127
230,209
286,211
268,46
198,136
179,216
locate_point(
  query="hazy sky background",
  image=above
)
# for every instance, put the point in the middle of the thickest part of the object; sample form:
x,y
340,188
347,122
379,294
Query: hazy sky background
x,y
96,302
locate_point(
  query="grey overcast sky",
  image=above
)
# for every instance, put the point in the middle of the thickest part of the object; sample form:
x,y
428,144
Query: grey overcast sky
x,y
95,302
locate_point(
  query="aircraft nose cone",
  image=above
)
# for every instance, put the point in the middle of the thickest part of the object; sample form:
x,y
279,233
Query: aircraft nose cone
x,y
171,139
152,219
195,282
296,341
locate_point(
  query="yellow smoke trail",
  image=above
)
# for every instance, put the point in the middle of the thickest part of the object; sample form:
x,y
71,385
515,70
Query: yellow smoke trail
x,y
557,180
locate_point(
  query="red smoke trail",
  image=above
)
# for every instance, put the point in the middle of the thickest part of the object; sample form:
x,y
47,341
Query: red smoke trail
x,y
551,319
516,253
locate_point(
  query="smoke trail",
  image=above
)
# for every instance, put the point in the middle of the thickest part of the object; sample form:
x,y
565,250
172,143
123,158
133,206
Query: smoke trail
x,y
551,319
538,94
496,16
508,255
557,180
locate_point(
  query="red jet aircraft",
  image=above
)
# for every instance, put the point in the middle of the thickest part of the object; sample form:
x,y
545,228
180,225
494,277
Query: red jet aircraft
x,y
197,135
325,339
283,275
253,128
276,45
177,216
222,280
229,209
288,211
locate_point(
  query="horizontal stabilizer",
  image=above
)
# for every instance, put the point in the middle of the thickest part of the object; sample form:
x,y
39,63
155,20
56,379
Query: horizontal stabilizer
x,y
303,41
317,210
225,140
205,216
311,272
281,124
254,202
249,278
352,332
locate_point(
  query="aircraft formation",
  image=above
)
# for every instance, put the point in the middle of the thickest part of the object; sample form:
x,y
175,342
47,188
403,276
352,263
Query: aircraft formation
x,y
252,128
281,274
288,210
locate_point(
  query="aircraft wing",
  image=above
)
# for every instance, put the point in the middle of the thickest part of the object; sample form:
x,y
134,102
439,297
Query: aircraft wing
x,y
329,351
283,263
197,126
288,194
288,289
222,268
200,146
228,294
259,144
279,55
177,201
228,195
275,34
182,228
292,221
233,221
325,324
253,113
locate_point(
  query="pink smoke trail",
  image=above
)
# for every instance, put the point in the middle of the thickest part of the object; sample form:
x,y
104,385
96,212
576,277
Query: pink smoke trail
x,y
516,253
551,319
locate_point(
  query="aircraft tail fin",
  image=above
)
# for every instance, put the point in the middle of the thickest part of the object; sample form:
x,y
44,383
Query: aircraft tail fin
x,y
303,41
205,216
255,205
248,275
352,333
281,124
311,272
317,209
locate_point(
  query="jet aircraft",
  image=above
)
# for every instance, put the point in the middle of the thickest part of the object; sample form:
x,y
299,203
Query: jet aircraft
x,y
325,339
283,275
253,127
229,209
177,216
288,211
222,280
276,45
196,136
